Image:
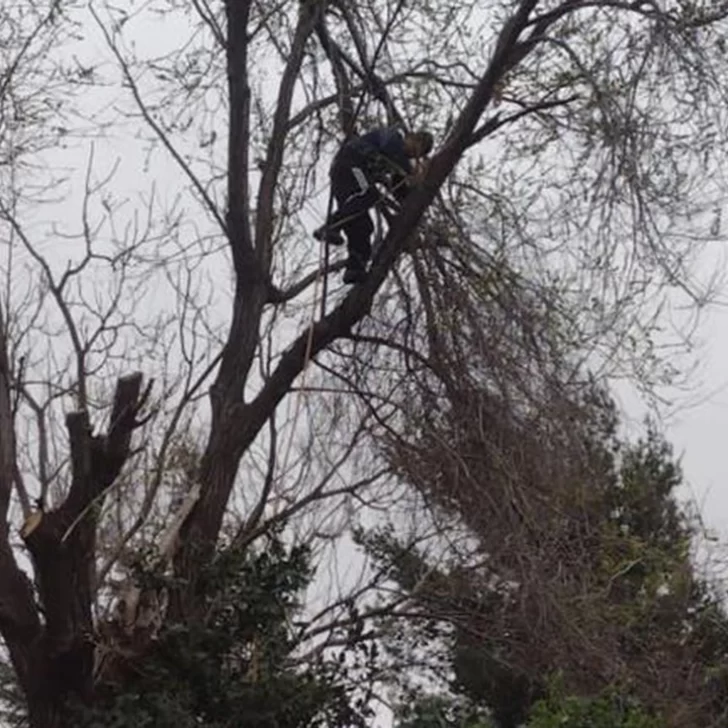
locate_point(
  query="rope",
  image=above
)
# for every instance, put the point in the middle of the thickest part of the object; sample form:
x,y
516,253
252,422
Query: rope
x,y
322,276
324,292
307,355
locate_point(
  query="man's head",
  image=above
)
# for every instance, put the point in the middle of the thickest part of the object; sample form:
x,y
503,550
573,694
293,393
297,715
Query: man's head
x,y
418,143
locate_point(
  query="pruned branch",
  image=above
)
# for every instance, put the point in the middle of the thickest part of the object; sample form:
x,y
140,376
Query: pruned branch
x,y
62,541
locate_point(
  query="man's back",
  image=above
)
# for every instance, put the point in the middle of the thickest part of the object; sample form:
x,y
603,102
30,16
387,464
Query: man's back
x,y
383,143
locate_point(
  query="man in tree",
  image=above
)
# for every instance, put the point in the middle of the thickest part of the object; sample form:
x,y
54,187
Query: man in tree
x,y
380,156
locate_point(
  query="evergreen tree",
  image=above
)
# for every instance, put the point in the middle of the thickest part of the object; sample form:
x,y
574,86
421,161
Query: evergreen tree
x,y
617,614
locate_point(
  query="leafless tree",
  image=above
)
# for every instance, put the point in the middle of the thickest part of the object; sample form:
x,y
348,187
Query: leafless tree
x,y
577,164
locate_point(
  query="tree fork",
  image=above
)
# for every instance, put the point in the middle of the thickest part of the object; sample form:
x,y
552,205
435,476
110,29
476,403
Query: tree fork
x,y
54,659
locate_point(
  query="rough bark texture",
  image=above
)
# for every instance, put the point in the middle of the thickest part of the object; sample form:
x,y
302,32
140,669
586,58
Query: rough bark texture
x,y
53,655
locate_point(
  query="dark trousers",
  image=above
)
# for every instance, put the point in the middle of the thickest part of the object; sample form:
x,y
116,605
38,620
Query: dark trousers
x,y
355,194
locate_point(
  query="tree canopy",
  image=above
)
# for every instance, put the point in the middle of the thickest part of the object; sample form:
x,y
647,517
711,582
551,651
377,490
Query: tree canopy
x,y
186,386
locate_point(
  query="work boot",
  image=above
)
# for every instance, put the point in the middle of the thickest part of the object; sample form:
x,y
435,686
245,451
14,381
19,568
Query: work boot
x,y
355,271
328,236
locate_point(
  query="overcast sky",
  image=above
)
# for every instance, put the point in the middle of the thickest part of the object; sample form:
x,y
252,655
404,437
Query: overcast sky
x,y
697,422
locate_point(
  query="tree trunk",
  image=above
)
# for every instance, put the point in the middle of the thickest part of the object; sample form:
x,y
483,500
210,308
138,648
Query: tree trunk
x,y
54,658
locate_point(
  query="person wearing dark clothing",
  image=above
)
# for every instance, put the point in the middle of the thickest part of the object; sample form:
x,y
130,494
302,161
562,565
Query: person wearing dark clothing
x,y
380,156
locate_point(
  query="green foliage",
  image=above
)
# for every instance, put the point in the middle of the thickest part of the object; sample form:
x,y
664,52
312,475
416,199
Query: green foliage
x,y
438,711
608,710
234,667
624,590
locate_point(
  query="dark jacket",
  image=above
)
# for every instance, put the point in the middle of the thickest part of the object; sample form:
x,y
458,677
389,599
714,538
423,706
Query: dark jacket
x,y
383,143
381,152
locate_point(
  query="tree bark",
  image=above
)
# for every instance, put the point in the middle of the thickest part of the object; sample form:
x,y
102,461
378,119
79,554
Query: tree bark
x,y
54,656
236,424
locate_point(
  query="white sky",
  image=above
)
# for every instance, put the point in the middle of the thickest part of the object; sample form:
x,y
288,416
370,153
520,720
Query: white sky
x,y
697,427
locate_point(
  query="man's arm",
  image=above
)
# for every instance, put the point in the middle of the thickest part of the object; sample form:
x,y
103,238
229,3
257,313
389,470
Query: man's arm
x,y
400,186
403,183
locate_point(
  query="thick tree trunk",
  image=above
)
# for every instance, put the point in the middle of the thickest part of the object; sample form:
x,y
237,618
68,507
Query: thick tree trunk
x,y
46,712
54,657
61,677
